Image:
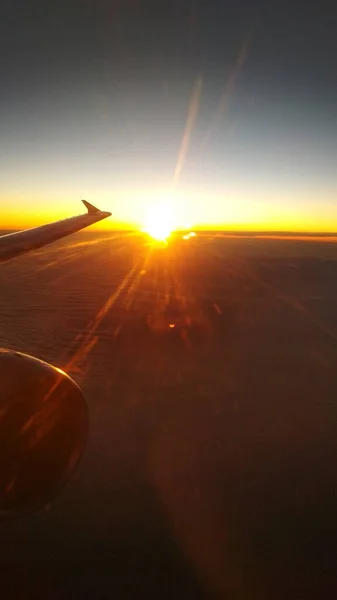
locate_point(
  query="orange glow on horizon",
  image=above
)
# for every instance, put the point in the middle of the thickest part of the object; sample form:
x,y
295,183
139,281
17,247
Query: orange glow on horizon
x,y
160,213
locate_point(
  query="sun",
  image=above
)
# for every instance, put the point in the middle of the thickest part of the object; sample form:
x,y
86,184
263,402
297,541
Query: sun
x,y
159,221
162,213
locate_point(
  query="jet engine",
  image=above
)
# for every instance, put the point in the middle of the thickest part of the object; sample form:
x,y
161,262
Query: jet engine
x,y
43,432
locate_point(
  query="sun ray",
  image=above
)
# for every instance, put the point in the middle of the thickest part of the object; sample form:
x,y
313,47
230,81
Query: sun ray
x,y
192,114
88,336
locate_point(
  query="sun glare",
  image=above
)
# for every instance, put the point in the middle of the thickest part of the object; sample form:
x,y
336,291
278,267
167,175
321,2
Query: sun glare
x,y
163,213
159,222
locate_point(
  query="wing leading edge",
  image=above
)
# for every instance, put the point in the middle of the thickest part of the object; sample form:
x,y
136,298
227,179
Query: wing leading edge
x,y
21,242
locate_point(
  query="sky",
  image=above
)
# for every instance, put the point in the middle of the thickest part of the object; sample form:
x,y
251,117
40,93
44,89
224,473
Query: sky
x,y
224,108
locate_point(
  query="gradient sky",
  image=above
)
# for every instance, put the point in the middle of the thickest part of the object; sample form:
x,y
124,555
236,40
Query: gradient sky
x,y
95,97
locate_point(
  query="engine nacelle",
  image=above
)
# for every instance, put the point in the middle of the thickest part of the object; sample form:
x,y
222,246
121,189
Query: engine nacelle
x,y
43,432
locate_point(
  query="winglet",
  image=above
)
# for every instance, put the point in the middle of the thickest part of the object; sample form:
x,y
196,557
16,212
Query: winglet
x,y
92,210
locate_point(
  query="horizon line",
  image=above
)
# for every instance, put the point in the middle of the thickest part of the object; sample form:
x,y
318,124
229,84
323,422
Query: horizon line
x,y
251,233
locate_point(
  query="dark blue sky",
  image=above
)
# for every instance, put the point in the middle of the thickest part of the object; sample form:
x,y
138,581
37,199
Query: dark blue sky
x,y
95,95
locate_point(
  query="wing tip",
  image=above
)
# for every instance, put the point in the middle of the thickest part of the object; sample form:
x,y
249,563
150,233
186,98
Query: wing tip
x,y
92,210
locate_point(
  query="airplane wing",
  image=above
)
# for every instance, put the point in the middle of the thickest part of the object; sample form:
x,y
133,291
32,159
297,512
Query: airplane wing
x,y
20,242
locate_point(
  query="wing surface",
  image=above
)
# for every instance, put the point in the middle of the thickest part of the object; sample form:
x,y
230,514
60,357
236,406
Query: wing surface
x,y
21,242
